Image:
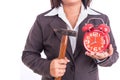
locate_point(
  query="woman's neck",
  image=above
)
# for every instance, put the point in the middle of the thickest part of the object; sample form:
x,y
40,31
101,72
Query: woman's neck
x,y
72,9
72,13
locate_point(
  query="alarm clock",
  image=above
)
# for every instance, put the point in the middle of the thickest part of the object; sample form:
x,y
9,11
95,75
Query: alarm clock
x,y
96,38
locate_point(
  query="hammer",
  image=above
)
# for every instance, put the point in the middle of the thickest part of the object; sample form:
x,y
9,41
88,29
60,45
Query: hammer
x,y
63,44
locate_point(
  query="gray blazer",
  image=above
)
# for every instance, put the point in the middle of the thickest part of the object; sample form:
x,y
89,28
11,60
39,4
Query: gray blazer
x,y
42,37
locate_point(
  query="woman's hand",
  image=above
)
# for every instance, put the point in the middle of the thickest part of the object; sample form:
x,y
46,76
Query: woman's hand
x,y
102,55
58,67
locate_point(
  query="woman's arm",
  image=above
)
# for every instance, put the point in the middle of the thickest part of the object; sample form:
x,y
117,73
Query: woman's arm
x,y
31,56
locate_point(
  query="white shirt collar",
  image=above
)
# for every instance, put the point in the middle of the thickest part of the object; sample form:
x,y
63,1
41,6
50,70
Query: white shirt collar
x,y
56,11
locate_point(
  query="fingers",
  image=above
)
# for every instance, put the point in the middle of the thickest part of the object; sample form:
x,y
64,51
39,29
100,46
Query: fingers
x,y
58,67
97,55
63,61
110,50
90,54
60,72
102,55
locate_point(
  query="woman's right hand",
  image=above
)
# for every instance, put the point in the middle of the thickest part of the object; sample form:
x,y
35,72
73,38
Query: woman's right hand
x,y
58,67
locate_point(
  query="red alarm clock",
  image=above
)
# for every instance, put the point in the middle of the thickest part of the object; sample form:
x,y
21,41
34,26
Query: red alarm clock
x,y
96,39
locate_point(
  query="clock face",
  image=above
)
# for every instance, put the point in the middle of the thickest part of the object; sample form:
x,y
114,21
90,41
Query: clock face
x,y
96,41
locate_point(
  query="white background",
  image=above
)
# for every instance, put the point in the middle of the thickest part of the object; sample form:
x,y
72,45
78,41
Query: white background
x,y
16,19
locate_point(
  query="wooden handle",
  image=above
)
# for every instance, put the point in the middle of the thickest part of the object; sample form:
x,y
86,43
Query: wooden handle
x,y
63,46
62,51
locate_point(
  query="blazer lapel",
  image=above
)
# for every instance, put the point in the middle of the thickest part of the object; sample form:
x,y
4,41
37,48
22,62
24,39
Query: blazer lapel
x,y
58,23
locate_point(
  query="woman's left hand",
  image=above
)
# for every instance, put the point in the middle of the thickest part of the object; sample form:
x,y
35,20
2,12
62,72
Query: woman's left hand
x,y
102,55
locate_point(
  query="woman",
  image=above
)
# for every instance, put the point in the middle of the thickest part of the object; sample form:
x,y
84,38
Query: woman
x,y
78,63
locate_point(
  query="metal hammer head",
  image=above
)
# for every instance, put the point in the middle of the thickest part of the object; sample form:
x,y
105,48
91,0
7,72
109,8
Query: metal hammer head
x,y
66,32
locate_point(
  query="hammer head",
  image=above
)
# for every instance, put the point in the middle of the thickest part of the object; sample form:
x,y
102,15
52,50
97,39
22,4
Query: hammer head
x,y
66,32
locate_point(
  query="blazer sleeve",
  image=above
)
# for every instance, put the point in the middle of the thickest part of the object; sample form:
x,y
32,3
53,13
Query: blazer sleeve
x,y
31,56
112,59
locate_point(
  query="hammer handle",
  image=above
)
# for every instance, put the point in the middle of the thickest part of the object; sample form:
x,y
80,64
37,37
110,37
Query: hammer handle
x,y
63,46
62,51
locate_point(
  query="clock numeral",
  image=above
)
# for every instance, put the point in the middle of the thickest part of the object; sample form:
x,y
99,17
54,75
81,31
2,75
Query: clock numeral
x,y
88,37
95,34
88,46
87,41
102,41
99,48
99,35
95,49
91,48
90,34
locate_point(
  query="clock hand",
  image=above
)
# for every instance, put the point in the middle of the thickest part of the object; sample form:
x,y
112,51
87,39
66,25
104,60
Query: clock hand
x,y
94,41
